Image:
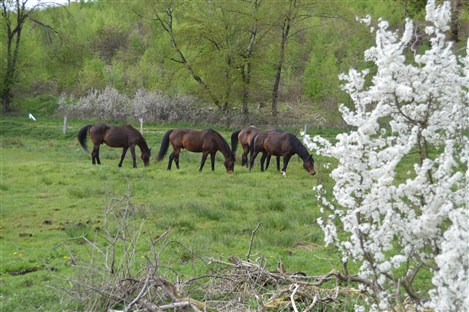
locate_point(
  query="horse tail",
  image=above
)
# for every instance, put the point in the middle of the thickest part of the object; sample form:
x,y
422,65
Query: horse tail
x,y
164,145
234,140
252,145
82,137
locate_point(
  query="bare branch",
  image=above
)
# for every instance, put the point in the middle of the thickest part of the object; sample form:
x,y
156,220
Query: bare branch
x,y
253,233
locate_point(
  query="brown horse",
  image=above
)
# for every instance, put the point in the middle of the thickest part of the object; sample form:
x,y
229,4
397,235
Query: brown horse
x,y
244,137
199,141
280,144
114,136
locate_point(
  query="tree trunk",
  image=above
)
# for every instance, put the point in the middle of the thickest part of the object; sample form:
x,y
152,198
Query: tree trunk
x,y
5,102
13,32
456,8
10,15
246,69
285,31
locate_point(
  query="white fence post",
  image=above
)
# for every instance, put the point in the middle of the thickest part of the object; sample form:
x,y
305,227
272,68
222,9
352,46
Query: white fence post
x,y
65,125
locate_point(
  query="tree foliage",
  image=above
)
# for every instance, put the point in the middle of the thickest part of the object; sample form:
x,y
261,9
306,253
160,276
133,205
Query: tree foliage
x,y
15,14
235,54
413,116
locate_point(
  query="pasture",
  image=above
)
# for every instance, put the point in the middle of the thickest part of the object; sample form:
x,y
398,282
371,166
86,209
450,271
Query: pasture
x,y
52,194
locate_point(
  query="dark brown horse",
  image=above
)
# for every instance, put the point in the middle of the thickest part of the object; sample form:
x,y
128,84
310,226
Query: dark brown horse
x,y
244,137
114,136
199,141
280,144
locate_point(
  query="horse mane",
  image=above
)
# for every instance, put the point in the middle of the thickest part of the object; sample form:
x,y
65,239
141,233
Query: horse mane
x,y
226,146
142,142
299,147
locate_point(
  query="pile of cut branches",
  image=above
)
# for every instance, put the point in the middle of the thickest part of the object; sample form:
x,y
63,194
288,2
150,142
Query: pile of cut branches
x,y
112,278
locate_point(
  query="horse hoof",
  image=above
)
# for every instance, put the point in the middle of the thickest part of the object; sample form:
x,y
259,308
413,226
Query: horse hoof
x,y
284,173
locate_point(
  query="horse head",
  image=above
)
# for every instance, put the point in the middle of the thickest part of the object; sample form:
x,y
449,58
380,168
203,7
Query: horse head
x,y
229,163
146,157
308,164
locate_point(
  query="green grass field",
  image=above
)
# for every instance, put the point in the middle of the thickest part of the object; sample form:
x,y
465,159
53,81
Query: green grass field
x,y
51,193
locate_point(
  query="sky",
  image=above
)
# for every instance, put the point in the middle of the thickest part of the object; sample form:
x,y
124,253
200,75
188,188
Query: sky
x,y
32,3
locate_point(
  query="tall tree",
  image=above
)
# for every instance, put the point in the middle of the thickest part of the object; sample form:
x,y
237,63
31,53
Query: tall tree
x,y
289,23
165,18
286,22
14,14
246,67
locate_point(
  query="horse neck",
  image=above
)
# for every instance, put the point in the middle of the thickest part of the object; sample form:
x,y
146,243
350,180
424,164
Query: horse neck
x,y
142,144
300,148
223,147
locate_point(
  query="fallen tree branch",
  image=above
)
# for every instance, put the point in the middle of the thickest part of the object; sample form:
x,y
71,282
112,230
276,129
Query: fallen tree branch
x,y
292,296
251,243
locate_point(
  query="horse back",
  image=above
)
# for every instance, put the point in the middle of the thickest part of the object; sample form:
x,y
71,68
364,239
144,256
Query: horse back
x,y
189,139
98,132
245,135
115,136
278,143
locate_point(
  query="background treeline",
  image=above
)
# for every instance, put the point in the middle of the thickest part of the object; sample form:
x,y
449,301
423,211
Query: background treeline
x,y
258,60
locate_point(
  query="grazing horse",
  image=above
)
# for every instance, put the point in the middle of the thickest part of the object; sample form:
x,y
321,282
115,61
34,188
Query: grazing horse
x,y
114,136
199,141
244,137
280,144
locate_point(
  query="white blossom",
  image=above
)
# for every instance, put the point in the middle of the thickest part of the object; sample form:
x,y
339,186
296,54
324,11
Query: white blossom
x,y
393,225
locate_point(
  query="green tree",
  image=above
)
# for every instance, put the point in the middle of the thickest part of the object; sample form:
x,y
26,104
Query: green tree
x,y
286,22
164,16
14,15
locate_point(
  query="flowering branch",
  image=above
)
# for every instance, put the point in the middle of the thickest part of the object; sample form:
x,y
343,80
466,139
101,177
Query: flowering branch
x,y
401,221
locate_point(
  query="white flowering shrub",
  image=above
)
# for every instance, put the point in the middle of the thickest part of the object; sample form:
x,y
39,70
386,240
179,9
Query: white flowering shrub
x,y
103,104
110,104
405,226
151,105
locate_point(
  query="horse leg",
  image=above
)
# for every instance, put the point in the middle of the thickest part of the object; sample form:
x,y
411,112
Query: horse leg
x,y
278,163
132,151
286,159
170,162
95,155
212,159
267,161
244,158
176,158
124,150
252,158
202,162
264,156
